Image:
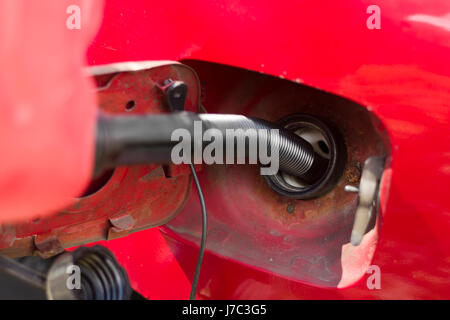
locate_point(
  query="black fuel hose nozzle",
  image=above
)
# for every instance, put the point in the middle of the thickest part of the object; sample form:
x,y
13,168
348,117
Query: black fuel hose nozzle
x,y
146,139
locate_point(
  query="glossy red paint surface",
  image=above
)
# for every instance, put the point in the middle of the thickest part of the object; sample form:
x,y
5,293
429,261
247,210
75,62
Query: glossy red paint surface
x,y
401,72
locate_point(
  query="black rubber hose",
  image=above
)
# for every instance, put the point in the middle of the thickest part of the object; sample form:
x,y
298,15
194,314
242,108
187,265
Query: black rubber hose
x,y
126,140
296,155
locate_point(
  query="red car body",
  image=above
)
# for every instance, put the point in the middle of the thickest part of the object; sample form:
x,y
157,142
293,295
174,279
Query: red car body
x,y
400,72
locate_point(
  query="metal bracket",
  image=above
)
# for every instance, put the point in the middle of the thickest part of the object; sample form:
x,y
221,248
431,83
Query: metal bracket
x,y
369,186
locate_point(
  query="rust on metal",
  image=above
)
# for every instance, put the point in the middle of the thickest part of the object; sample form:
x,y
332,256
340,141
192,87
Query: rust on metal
x,y
47,245
133,198
250,222
121,225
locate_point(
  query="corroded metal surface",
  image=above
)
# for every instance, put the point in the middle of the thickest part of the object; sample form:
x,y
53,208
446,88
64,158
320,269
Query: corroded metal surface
x,y
133,198
251,223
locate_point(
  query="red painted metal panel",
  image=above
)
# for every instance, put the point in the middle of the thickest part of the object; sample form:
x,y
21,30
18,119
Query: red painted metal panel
x,y
401,72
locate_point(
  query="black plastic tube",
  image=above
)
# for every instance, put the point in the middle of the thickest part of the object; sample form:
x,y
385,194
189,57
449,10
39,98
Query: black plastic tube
x,y
127,140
